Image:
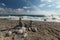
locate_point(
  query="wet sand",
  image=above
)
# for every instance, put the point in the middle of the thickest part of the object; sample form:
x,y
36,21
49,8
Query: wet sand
x,y
46,30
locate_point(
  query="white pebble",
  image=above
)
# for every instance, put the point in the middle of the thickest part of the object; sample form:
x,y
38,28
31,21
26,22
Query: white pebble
x,y
10,32
25,34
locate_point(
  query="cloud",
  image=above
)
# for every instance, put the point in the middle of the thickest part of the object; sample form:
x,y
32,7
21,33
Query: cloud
x,y
25,12
36,11
42,5
58,6
57,2
42,12
49,5
11,11
45,4
46,0
3,4
25,7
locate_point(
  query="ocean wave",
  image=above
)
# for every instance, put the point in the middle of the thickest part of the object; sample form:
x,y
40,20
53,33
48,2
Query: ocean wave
x,y
49,19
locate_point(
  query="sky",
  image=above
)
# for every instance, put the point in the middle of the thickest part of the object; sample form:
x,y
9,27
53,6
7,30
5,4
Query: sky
x,y
30,7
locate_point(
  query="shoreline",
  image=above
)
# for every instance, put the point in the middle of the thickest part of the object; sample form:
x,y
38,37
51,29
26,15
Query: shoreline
x,y
45,19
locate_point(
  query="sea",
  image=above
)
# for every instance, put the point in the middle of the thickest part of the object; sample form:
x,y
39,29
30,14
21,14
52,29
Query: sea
x,y
45,18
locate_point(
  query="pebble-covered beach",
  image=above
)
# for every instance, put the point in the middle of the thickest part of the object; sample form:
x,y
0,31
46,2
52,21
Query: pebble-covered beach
x,y
45,30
